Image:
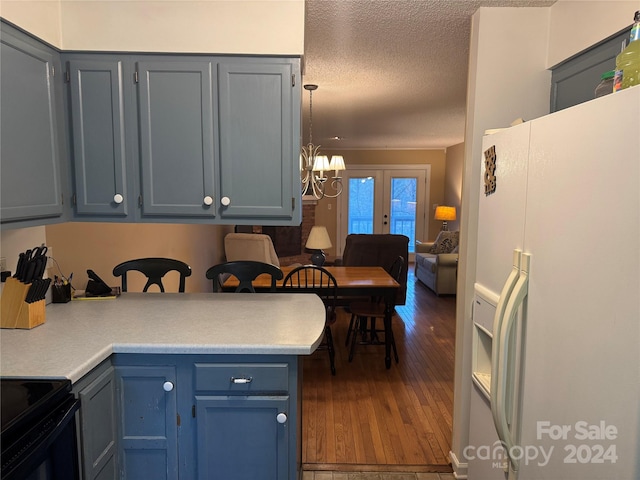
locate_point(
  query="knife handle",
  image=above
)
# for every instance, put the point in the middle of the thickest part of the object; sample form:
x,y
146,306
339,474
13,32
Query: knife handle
x,y
41,265
44,286
19,267
30,272
31,293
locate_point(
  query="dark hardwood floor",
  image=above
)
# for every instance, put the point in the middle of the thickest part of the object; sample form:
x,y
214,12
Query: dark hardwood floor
x,y
367,415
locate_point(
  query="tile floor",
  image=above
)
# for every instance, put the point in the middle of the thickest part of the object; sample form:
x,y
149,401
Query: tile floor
x,y
307,475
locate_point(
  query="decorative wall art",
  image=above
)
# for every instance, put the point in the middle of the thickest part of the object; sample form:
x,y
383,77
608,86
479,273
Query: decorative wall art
x,y
490,170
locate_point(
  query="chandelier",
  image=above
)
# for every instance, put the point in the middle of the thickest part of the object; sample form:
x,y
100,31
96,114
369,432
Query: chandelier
x,y
313,165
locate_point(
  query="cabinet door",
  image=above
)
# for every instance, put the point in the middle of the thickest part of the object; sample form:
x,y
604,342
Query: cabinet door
x,y
148,431
30,123
241,438
99,155
98,438
256,140
176,138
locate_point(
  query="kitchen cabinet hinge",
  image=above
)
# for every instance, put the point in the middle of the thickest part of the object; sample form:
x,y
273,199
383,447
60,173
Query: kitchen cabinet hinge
x,y
62,199
293,79
140,200
193,411
293,203
178,419
67,77
135,77
74,200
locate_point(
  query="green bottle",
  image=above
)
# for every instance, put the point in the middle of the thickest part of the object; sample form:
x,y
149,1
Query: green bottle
x,y
628,61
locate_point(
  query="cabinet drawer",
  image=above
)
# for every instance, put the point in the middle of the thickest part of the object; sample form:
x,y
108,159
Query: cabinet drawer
x,y
242,377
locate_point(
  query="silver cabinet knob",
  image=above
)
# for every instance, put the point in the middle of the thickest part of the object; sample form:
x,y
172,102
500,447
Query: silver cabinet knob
x,y
207,200
118,198
167,386
281,417
225,201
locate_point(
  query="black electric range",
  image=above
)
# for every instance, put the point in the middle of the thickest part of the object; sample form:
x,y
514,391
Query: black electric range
x,y
38,429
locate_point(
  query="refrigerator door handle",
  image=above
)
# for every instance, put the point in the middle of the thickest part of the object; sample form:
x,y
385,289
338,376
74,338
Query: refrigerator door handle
x,y
499,399
498,318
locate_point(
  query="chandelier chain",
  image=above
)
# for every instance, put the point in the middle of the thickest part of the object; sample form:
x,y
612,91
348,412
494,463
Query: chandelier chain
x,y
315,183
311,116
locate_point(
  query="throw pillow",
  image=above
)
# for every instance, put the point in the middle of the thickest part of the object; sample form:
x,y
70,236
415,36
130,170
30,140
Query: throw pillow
x,y
445,242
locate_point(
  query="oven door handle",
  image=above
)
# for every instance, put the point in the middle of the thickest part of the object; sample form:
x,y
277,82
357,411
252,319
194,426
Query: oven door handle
x,y
37,454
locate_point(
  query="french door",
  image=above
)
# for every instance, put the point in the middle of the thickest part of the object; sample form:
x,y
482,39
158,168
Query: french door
x,y
384,200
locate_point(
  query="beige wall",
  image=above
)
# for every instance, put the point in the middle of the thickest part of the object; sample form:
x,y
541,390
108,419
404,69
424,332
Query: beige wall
x,y
210,26
453,181
101,246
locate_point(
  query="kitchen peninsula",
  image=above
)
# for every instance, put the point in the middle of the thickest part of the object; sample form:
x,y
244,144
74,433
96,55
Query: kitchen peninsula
x,y
183,374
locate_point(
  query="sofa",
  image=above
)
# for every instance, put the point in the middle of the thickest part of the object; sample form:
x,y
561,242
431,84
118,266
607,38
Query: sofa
x,y
436,263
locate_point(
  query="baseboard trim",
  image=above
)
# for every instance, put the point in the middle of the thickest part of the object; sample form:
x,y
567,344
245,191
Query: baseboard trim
x,y
460,469
352,467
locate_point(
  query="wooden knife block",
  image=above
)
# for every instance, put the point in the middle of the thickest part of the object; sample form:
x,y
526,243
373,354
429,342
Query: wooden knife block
x,y
16,313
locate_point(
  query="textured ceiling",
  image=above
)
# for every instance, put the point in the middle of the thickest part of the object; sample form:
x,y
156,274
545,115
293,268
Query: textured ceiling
x,y
390,73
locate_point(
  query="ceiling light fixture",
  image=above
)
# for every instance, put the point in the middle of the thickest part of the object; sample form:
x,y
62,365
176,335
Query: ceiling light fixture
x,y
313,165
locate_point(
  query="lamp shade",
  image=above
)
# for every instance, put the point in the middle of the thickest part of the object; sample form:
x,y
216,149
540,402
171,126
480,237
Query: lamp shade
x,y
321,163
445,214
337,163
318,238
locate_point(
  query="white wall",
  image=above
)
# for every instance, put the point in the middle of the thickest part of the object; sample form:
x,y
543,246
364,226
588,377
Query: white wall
x,y
510,51
208,26
12,242
507,80
577,25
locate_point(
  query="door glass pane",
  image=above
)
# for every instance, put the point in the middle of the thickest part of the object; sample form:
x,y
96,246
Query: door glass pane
x,y
403,208
361,204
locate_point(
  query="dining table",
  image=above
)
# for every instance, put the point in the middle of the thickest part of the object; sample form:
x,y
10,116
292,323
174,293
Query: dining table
x,y
353,282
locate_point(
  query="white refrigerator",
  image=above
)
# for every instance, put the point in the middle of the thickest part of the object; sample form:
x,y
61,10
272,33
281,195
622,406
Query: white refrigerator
x,y
556,318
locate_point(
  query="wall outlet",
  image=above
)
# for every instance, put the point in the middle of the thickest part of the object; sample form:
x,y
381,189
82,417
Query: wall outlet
x,y
3,264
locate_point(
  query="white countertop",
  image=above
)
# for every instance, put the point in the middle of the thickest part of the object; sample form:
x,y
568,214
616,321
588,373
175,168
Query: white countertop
x,y
78,335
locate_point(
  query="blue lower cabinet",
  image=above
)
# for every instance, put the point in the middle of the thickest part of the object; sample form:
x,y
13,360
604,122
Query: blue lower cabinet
x,y
242,438
97,432
209,417
148,431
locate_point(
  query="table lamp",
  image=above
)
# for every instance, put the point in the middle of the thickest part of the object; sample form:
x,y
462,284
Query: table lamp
x,y
318,239
445,214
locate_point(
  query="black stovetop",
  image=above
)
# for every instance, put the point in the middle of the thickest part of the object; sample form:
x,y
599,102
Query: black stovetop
x,y
25,400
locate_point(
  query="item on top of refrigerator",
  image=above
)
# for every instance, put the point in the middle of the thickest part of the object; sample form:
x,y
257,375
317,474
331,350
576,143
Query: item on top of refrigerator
x,y
605,87
628,61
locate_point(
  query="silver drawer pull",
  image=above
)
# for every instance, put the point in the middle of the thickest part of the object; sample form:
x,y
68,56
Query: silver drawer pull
x,y
241,379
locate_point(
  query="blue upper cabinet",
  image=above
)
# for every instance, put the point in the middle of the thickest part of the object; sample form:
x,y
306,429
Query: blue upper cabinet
x,y
99,150
176,114
185,138
32,127
258,141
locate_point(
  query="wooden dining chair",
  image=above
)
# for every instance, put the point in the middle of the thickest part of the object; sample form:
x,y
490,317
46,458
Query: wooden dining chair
x,y
154,269
313,279
363,311
246,271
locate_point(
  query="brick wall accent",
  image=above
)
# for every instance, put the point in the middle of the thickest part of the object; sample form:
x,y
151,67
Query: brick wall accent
x,y
308,221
